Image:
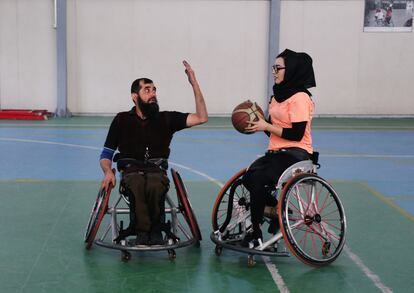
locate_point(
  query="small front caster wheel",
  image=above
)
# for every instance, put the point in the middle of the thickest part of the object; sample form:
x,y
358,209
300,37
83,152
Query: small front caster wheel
x,y
125,256
250,261
218,250
171,254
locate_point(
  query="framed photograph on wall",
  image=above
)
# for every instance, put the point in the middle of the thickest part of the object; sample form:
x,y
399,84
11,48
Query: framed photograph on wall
x,y
388,15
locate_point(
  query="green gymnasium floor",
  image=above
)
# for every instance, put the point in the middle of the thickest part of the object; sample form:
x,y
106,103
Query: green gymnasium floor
x,y
50,176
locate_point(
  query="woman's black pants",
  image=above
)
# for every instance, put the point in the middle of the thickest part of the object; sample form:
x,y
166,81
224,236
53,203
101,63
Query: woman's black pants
x,y
264,174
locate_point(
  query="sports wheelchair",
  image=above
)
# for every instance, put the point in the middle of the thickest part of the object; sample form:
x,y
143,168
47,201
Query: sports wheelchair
x,y
176,236
309,213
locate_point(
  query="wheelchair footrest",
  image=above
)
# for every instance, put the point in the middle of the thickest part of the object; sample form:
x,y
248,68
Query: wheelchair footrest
x,y
130,245
236,245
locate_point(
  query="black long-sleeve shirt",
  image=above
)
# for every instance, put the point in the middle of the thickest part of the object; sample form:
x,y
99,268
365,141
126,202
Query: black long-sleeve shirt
x,y
132,135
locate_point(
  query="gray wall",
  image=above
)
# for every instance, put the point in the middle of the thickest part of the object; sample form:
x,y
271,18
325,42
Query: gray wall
x,y
357,73
112,42
27,55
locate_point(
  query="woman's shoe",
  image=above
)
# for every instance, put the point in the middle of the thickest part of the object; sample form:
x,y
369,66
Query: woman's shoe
x,y
252,239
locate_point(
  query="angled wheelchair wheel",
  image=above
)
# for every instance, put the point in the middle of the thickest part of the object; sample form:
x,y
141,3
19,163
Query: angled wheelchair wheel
x,y
185,205
312,219
97,214
231,206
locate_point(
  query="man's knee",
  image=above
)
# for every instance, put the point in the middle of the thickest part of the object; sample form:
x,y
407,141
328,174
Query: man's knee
x,y
134,188
157,184
157,187
134,182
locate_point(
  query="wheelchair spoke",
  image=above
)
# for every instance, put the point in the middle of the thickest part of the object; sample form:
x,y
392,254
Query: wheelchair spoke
x,y
300,200
308,193
295,219
300,203
324,216
331,234
332,225
295,208
303,240
326,205
232,207
221,216
308,203
314,230
316,194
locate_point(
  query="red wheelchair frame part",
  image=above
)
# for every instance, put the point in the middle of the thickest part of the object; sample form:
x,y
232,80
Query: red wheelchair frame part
x,y
93,228
182,197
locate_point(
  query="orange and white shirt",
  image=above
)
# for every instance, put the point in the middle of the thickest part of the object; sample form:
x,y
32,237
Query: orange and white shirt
x,y
297,108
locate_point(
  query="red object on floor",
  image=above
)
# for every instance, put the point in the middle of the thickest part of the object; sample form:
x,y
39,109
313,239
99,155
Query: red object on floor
x,y
16,114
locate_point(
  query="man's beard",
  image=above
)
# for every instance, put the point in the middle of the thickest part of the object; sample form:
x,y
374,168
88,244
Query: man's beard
x,y
149,110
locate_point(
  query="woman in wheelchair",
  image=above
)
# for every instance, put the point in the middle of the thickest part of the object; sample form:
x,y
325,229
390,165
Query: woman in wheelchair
x,y
289,129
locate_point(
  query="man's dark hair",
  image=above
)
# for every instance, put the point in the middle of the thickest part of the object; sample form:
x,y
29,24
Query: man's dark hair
x,y
135,87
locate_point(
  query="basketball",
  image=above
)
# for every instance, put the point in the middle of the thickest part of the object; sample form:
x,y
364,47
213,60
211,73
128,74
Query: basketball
x,y
245,113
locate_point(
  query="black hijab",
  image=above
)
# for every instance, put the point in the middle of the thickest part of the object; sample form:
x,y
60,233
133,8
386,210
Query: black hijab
x,y
299,75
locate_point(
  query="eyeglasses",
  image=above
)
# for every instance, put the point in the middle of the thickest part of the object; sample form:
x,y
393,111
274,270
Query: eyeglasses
x,y
276,69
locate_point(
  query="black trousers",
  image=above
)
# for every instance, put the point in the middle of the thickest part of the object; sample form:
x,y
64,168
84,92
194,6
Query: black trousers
x,y
147,199
265,173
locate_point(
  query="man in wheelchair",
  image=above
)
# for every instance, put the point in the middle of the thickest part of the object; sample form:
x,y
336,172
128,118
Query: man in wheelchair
x,y
143,136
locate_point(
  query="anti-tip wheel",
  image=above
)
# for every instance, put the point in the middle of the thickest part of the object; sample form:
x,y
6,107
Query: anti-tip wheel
x,y
171,254
125,256
250,261
218,250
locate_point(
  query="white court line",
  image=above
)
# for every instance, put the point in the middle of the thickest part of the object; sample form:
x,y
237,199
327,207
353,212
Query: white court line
x,y
93,125
366,156
371,275
275,275
97,148
205,175
270,266
379,156
199,173
50,142
52,125
225,126
43,250
356,127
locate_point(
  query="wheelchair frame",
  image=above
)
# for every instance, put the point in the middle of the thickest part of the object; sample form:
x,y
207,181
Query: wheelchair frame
x,y
310,218
191,235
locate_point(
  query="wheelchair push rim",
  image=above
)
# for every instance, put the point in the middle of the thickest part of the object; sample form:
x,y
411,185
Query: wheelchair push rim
x,y
185,205
312,220
96,216
232,203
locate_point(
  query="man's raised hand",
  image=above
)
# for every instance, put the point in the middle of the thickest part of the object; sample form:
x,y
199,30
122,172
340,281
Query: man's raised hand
x,y
190,72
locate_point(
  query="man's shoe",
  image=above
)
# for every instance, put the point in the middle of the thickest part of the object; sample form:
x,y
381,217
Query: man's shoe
x,y
123,234
142,238
156,238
